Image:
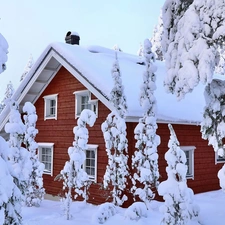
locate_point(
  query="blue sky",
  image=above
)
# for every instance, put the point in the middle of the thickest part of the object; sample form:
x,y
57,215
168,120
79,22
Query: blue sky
x,y
30,25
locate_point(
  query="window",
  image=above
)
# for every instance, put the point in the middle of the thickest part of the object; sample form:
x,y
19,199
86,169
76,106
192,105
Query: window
x,y
50,106
45,154
84,101
219,159
189,152
90,164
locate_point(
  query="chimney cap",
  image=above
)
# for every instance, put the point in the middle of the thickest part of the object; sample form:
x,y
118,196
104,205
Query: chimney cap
x,y
70,33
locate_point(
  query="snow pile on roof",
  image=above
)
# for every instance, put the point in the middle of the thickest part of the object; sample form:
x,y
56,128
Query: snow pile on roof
x,y
94,63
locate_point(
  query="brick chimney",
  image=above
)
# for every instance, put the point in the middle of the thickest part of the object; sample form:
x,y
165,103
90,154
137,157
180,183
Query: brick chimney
x,y
72,38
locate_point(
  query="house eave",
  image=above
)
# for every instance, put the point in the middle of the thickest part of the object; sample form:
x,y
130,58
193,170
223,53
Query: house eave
x,y
135,119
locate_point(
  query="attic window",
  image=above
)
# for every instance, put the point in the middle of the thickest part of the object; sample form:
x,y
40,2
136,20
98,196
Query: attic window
x,y
50,109
83,101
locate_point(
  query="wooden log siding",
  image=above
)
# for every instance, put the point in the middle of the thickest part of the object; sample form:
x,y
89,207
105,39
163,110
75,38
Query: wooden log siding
x,y
60,132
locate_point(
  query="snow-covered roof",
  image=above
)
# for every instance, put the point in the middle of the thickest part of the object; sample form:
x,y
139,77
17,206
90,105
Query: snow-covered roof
x,y
92,66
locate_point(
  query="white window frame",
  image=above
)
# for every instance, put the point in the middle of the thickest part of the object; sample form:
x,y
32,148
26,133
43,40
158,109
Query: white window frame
x,y
217,160
40,147
95,149
190,161
47,100
93,103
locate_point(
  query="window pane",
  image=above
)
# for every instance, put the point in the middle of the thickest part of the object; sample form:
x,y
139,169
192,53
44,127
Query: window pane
x,y
46,158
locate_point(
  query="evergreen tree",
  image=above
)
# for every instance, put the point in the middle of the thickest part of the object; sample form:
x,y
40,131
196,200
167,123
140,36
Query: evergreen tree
x,y
145,158
140,51
178,207
10,197
193,35
73,175
114,131
8,94
34,193
213,124
117,48
19,157
27,68
157,39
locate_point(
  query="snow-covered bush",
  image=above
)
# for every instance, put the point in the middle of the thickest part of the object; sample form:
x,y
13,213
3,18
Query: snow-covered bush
x,y
136,211
104,212
221,176
73,174
213,124
145,158
114,131
34,193
178,207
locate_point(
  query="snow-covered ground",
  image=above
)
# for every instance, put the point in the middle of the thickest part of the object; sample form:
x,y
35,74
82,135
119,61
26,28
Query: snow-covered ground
x,y
212,211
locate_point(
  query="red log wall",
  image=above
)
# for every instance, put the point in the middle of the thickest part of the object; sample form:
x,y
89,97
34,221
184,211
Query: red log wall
x,y
60,132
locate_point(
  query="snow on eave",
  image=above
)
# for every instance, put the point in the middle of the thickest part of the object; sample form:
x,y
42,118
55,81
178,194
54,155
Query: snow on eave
x,y
5,113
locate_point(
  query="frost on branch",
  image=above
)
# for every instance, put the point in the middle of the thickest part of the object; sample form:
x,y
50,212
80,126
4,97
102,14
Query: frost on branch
x,y
73,175
34,192
114,132
192,39
178,207
145,158
213,124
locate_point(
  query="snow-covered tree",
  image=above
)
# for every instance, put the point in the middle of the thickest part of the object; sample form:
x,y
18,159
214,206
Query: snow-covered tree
x,y
179,207
10,196
193,34
140,50
8,94
145,158
19,156
114,131
73,175
220,61
34,193
27,68
157,39
117,48
213,124
3,53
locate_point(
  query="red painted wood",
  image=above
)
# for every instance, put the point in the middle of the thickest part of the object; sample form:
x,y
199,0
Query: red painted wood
x,y
60,133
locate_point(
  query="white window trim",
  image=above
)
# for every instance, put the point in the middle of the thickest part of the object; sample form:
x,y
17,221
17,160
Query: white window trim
x,y
95,148
216,158
48,145
46,99
191,149
93,102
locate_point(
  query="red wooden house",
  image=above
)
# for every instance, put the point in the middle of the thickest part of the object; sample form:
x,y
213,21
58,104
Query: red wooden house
x,y
68,78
